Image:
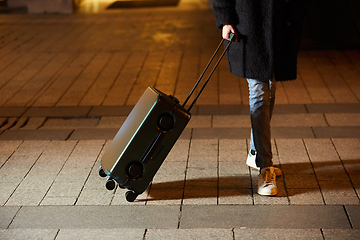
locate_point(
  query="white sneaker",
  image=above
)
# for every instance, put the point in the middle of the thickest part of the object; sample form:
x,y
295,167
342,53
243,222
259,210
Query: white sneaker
x,y
251,162
267,182
251,159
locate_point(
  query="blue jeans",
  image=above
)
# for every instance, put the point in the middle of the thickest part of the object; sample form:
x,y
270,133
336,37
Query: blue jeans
x,y
261,101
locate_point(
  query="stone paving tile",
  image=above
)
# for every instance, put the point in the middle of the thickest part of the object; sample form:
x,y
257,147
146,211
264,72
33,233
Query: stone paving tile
x,y
343,119
290,109
307,196
35,62
251,233
26,197
235,196
177,234
170,175
19,123
253,216
200,195
349,74
168,196
3,121
58,201
186,134
231,121
75,93
222,110
298,120
353,212
82,217
25,95
17,234
7,148
205,167
33,123
42,134
291,132
338,87
348,150
93,234
111,122
200,122
18,165
232,150
7,215
338,192
12,111
204,147
321,151
57,112
95,197
333,234
179,152
103,83
119,198
76,123
333,107
296,92
101,111
233,169
312,80
307,181
63,81
293,157
73,174
93,133
8,123
220,133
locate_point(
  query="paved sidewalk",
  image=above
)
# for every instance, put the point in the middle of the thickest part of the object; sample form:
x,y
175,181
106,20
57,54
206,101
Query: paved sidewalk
x,y
67,84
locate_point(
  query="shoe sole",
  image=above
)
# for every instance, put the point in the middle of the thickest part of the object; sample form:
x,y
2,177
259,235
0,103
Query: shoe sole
x,y
267,194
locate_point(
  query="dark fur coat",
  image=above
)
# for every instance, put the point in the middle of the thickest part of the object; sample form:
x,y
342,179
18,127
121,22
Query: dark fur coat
x,y
269,36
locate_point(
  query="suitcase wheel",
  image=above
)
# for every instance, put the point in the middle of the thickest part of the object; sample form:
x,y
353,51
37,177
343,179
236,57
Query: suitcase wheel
x,y
130,196
110,184
102,172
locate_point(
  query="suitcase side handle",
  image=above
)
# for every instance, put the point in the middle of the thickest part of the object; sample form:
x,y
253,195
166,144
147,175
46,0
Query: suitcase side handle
x,y
232,36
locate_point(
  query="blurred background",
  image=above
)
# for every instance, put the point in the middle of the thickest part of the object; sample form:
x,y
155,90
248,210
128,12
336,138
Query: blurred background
x,y
330,24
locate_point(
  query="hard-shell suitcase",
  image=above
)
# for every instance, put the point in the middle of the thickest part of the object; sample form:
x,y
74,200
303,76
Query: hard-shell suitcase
x,y
146,137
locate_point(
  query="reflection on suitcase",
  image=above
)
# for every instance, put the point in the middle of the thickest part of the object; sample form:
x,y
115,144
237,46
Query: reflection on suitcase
x,y
146,137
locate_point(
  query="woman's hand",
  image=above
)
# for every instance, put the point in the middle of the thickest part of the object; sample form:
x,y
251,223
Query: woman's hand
x,y
226,30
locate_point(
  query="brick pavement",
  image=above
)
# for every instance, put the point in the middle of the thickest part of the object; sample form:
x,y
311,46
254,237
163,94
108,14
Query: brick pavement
x,y
68,83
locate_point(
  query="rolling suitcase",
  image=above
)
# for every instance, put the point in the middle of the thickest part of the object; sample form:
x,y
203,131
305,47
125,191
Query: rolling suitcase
x,y
146,137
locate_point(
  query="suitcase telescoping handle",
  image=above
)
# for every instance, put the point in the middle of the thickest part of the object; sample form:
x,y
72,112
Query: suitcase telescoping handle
x,y
232,36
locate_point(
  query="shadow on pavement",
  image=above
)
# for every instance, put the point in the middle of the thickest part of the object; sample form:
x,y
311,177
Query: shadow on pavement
x,y
309,177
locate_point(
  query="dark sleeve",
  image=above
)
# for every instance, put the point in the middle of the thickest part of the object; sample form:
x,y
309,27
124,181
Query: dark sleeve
x,y
225,12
